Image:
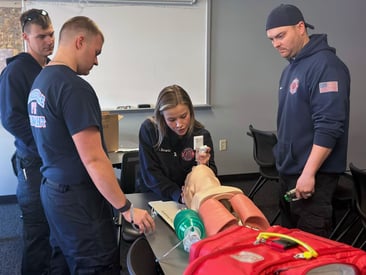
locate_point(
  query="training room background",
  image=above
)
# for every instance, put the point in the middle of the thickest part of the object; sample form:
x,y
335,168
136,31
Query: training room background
x,y
244,70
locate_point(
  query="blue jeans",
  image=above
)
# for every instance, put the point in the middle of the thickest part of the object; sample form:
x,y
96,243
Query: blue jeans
x,y
36,245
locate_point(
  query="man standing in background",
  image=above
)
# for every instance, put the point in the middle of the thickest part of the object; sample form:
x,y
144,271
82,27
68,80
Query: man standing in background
x,y
15,84
312,121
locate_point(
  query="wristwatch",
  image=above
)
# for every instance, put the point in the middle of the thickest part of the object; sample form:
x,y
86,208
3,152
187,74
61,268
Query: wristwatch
x,y
126,207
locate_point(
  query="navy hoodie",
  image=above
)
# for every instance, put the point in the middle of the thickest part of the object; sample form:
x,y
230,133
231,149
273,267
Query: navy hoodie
x,y
313,108
15,83
164,169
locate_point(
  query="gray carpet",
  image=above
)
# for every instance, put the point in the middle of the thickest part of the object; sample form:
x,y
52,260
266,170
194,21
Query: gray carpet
x,y
10,239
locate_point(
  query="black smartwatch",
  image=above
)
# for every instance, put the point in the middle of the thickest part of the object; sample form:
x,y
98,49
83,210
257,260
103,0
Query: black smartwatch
x,y
126,207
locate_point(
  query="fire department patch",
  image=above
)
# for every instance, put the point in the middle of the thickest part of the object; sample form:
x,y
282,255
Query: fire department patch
x,y
294,86
188,154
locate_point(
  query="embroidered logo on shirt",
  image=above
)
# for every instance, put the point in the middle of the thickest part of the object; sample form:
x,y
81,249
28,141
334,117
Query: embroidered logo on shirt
x,y
188,154
327,87
36,98
294,86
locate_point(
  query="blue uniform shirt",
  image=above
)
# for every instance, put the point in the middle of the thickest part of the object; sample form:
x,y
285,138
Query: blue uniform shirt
x,y
60,105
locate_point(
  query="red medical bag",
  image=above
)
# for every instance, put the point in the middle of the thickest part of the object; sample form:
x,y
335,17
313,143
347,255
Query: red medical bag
x,y
278,250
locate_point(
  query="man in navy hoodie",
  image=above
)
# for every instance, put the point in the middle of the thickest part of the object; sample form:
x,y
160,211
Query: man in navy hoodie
x,y
15,84
312,120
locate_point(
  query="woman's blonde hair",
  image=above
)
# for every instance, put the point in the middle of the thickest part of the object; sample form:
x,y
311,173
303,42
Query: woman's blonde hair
x,y
170,97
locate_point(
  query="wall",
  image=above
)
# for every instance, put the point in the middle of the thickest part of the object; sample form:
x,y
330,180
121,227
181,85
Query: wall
x,y
10,44
245,70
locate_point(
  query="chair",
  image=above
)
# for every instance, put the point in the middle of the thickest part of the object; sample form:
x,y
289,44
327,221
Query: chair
x,y
343,198
130,167
263,142
359,181
141,259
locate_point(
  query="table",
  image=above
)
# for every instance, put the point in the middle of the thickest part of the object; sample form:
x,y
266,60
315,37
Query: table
x,y
163,239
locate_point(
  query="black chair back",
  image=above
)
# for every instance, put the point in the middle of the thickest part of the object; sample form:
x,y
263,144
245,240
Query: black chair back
x,y
263,145
359,181
130,172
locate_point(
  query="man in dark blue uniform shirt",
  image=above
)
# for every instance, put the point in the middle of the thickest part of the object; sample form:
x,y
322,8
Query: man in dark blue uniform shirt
x,y
15,83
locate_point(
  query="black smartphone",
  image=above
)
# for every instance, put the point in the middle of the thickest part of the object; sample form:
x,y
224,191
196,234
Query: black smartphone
x,y
282,244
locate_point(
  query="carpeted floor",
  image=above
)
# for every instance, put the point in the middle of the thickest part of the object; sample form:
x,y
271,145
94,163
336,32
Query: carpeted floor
x,y
10,239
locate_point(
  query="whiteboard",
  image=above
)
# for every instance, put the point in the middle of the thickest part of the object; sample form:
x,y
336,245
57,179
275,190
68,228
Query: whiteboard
x,y
146,48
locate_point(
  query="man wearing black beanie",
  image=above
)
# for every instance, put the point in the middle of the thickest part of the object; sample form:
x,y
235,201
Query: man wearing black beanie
x,y
312,120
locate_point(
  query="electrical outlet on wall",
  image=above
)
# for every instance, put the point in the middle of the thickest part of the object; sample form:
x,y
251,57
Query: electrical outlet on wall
x,y
223,145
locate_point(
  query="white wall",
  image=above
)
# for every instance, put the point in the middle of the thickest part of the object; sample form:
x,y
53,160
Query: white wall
x,y
8,181
245,70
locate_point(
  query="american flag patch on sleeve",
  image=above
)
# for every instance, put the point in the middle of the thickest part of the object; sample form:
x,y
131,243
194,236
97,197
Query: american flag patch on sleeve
x,y
327,87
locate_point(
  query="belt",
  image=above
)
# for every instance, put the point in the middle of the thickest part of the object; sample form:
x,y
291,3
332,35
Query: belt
x,y
66,187
26,161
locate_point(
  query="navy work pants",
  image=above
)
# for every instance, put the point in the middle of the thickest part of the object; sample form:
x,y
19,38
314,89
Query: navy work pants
x,y
82,228
36,246
313,215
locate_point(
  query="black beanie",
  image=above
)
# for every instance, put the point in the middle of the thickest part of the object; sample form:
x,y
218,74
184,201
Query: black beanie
x,y
285,15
